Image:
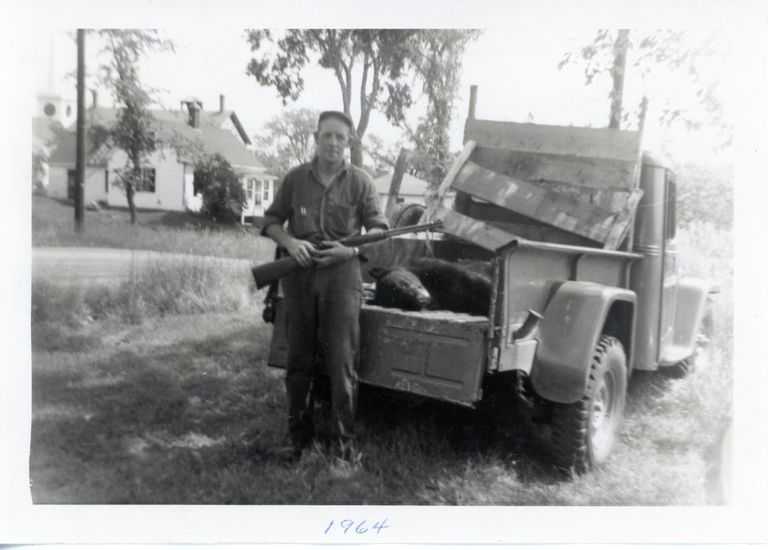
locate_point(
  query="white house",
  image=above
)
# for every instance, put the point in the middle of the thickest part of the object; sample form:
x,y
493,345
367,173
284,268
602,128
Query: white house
x,y
412,189
168,182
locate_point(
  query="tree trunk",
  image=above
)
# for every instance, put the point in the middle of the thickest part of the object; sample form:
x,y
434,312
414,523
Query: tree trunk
x,y
394,186
356,152
130,191
618,71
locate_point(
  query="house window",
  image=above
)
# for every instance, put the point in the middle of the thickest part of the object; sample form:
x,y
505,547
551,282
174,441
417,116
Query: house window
x,y
71,183
196,183
249,190
147,183
255,185
266,191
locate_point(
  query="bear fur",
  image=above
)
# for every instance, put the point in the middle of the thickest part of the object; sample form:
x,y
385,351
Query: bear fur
x,y
399,288
434,284
453,286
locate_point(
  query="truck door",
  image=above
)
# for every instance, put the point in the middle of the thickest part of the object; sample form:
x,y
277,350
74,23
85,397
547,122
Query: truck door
x,y
669,275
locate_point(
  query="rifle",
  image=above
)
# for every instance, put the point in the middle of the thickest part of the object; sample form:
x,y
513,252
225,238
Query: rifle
x,y
264,274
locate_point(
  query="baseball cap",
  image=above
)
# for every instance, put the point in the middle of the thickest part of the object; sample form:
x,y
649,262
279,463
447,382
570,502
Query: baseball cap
x,y
339,115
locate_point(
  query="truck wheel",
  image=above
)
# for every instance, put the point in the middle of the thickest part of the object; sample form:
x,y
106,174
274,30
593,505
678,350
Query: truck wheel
x,y
584,433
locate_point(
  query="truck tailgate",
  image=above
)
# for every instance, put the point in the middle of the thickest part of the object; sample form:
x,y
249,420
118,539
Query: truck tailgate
x,y
437,354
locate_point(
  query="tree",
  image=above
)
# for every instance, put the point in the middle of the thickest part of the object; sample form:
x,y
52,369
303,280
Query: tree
x,y
134,129
440,67
423,164
287,141
618,70
223,194
679,70
387,58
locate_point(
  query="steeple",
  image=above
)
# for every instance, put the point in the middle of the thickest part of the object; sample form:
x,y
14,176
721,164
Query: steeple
x,y
50,103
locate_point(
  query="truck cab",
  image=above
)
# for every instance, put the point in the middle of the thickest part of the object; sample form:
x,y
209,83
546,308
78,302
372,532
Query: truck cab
x,y
673,307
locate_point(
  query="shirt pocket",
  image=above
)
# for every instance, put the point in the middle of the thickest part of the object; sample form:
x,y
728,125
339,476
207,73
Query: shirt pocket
x,y
303,221
341,219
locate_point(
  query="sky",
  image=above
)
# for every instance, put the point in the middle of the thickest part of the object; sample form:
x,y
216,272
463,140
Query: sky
x,y
515,69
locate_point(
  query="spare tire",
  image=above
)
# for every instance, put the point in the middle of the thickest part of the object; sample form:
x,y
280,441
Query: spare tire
x,y
407,214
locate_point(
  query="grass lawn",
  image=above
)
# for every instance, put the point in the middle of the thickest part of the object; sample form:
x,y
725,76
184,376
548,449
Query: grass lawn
x,y
183,409
183,232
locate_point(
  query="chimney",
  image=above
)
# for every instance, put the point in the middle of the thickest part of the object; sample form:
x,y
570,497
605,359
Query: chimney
x,y
221,103
194,115
94,99
194,108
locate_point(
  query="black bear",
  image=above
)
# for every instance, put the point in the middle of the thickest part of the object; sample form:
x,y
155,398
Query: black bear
x,y
399,288
434,284
454,287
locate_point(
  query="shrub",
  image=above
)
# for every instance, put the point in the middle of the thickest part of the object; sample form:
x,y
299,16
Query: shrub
x,y
705,193
223,194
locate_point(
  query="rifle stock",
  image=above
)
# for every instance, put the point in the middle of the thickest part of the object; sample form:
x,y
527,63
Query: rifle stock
x,y
265,274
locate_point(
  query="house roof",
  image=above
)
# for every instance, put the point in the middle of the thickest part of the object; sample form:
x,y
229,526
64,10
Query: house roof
x,y
171,123
411,185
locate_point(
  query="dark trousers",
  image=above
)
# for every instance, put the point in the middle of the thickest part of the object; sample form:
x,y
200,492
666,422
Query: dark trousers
x,y
323,318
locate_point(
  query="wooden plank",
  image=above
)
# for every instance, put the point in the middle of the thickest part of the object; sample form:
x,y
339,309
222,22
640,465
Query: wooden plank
x,y
514,223
602,143
435,201
535,202
623,222
586,172
477,232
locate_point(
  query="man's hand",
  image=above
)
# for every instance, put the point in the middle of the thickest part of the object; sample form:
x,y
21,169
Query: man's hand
x,y
333,253
302,251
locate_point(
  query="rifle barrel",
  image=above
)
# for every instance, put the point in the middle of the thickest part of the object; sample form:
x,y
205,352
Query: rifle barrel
x,y
264,274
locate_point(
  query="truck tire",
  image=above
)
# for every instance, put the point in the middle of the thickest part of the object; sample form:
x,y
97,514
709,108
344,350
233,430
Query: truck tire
x,y
584,433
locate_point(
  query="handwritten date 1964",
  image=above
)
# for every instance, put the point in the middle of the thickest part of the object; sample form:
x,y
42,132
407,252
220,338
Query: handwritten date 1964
x,y
350,526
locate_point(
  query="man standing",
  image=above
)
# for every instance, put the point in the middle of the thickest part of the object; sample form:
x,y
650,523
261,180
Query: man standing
x,y
323,201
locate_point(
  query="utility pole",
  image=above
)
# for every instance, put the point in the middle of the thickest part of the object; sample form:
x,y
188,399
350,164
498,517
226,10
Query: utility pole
x,y
618,70
80,161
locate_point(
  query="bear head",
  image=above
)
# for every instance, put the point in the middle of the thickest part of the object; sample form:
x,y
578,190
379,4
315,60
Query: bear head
x,y
399,288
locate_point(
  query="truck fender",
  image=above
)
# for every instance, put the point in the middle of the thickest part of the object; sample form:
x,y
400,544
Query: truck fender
x,y
690,307
574,320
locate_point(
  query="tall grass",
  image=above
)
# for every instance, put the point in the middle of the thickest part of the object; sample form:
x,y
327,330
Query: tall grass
x,y
160,289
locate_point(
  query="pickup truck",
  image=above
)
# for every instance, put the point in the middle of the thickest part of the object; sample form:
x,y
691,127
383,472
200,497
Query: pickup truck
x,y
577,228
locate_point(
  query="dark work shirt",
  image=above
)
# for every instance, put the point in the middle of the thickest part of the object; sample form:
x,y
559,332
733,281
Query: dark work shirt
x,y
316,212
